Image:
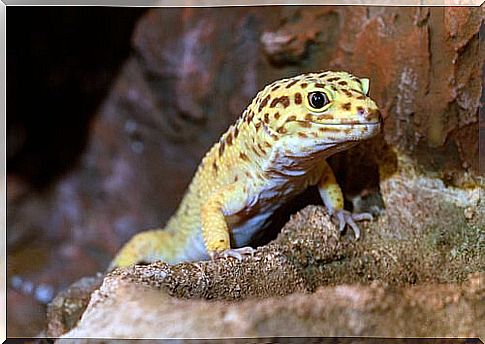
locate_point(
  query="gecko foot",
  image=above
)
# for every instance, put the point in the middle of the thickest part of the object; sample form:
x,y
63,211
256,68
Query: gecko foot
x,y
237,253
345,217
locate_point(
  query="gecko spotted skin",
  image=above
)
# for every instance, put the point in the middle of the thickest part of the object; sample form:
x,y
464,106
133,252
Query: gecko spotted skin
x,y
274,151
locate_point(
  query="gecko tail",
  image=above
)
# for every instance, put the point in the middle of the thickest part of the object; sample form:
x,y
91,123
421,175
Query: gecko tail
x,y
146,247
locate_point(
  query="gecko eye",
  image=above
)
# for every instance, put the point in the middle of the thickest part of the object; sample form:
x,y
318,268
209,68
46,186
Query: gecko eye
x,y
318,100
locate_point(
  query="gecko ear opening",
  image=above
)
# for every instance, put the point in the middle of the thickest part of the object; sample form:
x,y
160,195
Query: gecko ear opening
x,y
365,86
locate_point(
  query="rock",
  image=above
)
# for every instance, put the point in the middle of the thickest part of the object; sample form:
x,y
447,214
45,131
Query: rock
x,y
68,306
123,309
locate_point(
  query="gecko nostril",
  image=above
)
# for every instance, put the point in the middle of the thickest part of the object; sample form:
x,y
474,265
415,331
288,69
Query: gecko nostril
x,y
361,112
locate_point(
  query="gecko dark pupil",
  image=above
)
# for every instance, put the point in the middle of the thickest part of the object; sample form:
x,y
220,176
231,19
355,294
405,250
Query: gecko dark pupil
x,y
317,100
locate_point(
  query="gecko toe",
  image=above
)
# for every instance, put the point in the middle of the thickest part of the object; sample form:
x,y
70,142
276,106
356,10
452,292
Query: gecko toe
x,y
354,227
341,221
345,217
237,253
362,216
232,253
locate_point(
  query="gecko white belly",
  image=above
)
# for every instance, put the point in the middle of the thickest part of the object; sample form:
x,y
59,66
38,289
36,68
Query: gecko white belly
x,y
273,194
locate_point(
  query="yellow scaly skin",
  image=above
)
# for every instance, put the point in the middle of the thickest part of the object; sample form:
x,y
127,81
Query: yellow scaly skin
x,y
275,150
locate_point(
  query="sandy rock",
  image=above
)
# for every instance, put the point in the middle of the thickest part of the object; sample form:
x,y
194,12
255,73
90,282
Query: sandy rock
x,y
124,309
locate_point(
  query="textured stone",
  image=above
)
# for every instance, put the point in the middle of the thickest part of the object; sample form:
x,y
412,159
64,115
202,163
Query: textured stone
x,y
121,309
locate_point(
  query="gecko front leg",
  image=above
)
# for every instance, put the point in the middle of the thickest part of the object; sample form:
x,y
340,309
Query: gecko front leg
x,y
227,201
334,202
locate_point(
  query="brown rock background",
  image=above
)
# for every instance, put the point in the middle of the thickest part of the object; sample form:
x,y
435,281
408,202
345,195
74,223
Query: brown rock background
x,y
189,74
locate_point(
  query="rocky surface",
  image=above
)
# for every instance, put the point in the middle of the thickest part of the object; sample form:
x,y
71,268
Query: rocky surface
x,y
309,267
182,87
126,310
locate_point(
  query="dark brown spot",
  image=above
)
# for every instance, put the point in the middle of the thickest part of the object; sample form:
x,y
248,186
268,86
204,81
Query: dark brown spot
x,y
214,166
298,98
357,80
264,102
303,135
324,117
360,109
284,100
281,130
261,149
305,124
274,88
243,156
308,117
333,88
347,131
323,75
247,174
267,144
360,97
333,79
275,137
249,117
277,115
221,148
266,118
236,178
229,139
319,85
257,126
343,82
222,240
346,106
236,132
329,130
256,151
291,83
303,85
347,92
291,118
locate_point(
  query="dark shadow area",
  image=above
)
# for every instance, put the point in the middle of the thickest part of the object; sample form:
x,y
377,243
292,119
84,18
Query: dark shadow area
x,y
60,64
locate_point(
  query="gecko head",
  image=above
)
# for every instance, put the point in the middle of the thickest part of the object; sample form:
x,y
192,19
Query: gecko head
x,y
326,108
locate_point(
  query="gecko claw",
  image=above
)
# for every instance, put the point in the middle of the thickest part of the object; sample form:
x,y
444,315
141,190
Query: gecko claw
x,y
237,253
345,217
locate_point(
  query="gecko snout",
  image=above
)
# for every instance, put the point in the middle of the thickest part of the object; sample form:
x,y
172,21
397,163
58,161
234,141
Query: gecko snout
x,y
370,115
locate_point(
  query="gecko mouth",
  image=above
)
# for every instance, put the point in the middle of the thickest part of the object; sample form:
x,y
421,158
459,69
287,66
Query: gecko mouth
x,y
354,131
337,126
346,123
